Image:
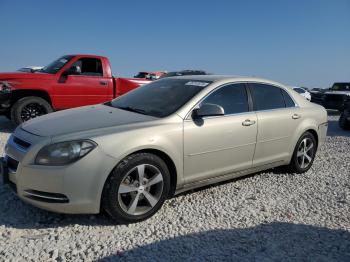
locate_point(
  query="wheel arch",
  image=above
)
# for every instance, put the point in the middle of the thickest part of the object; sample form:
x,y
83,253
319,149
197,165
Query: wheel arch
x,y
314,133
162,155
170,164
21,93
309,127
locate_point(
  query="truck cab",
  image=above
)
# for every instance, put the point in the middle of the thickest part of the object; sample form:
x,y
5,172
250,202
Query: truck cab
x,y
68,82
336,98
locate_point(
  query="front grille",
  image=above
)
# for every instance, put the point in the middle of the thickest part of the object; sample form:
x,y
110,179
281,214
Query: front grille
x,y
12,164
46,197
21,143
335,98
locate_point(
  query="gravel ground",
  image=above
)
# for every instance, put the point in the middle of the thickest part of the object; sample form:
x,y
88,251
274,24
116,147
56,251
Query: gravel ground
x,y
270,216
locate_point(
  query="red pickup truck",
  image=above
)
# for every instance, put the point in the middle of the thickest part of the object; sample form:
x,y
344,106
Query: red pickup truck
x,y
70,81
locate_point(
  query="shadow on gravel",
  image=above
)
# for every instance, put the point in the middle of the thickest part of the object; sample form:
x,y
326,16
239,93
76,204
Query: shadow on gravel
x,y
266,242
15,213
335,130
6,126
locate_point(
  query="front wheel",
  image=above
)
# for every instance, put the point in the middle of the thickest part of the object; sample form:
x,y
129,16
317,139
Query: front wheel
x,y
28,108
137,188
304,154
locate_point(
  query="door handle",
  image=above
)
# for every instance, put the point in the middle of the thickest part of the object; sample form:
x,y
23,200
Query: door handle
x,y
248,122
296,116
103,83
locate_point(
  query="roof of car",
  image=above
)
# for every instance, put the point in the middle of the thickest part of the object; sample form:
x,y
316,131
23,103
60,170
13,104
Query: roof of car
x,y
215,78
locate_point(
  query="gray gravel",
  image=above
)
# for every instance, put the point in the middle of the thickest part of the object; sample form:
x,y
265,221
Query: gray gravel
x,y
265,217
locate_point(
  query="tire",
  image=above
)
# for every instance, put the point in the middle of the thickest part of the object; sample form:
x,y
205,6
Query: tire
x,y
343,122
297,165
125,177
28,108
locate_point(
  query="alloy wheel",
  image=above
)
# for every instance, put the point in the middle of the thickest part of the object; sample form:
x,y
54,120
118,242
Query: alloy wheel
x,y
305,152
140,189
32,110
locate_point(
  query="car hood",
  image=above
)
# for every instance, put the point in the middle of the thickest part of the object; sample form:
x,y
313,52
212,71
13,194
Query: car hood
x,y
82,119
23,75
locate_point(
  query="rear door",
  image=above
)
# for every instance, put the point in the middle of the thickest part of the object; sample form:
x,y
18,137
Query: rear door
x,y
278,117
89,87
219,145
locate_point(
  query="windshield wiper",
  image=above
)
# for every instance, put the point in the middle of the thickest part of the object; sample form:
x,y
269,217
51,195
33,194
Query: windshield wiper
x,y
133,109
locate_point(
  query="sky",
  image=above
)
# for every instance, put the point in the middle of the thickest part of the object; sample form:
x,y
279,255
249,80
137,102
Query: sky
x,y
299,43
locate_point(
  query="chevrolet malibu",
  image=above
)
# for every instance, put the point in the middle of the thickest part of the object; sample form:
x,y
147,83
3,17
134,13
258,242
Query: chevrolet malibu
x,y
129,155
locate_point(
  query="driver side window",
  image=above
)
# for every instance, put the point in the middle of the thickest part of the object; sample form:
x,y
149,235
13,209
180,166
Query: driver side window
x,y
232,98
89,66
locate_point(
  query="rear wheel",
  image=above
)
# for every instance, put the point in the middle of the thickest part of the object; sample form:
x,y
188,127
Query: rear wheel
x,y
304,154
137,188
344,123
28,108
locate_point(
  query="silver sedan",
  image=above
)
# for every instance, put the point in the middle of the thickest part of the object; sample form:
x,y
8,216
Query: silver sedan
x,y
129,155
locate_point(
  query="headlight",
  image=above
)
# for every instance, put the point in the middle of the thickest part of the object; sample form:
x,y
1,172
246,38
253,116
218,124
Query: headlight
x,y
64,153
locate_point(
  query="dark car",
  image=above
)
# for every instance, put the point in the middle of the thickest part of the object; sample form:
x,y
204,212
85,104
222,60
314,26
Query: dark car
x,y
344,119
184,73
337,97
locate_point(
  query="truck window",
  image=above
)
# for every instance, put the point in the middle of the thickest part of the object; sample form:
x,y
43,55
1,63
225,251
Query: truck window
x,y
90,66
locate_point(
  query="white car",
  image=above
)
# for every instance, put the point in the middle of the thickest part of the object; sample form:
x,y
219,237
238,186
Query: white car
x,y
303,92
30,69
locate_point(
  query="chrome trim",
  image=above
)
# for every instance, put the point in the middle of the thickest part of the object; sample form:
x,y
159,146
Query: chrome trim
x,y
46,197
17,146
228,115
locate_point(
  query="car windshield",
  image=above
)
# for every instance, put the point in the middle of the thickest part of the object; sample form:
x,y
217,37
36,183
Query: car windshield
x,y
56,65
341,87
160,98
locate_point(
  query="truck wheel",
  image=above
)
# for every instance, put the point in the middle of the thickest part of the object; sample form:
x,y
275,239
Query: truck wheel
x,y
28,108
343,122
137,188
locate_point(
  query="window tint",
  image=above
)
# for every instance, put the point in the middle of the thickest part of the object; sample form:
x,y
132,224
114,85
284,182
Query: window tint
x,y
90,66
266,97
233,98
287,99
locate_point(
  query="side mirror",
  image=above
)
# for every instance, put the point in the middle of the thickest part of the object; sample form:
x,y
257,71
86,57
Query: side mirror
x,y
73,70
208,110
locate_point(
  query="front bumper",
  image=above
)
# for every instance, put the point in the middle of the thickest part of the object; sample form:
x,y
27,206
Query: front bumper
x,y
73,189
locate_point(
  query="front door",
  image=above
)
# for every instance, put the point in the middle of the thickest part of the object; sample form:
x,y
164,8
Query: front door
x,y
88,87
219,145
